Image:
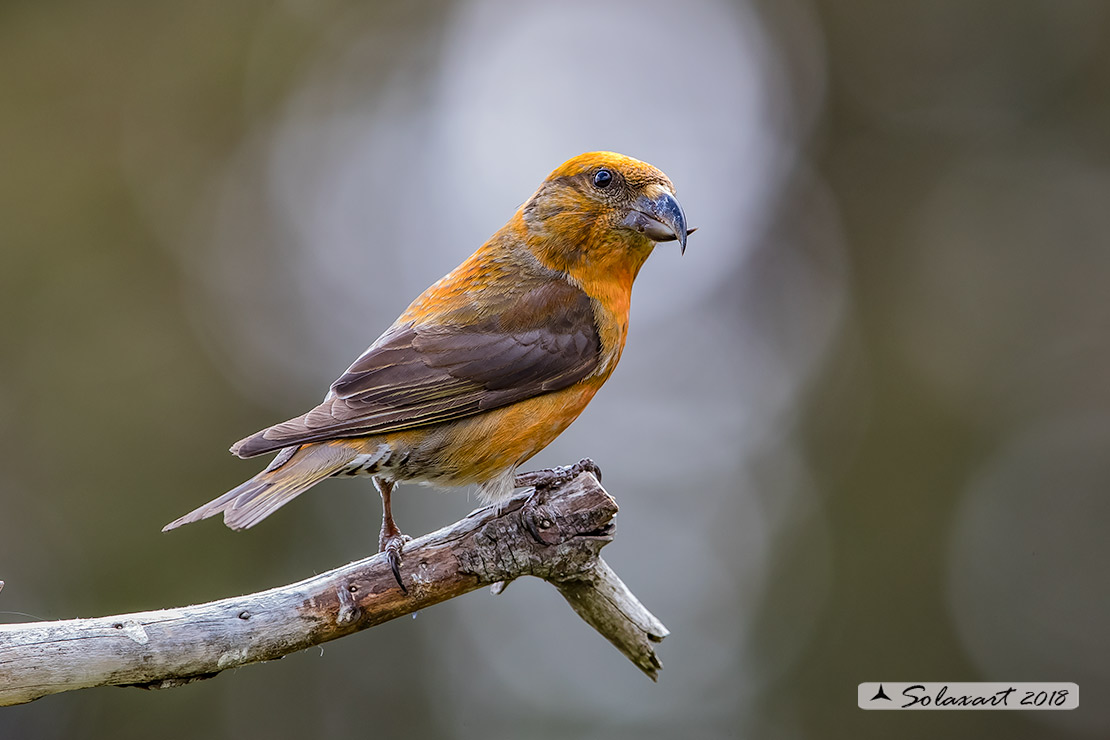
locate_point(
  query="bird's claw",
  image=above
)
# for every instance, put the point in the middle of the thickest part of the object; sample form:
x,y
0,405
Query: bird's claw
x,y
392,546
585,465
534,521
536,518
551,478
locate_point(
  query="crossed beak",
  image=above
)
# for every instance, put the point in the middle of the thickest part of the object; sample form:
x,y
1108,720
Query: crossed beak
x,y
659,217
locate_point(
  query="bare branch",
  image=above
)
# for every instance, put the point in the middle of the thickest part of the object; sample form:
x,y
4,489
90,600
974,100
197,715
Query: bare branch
x,y
171,647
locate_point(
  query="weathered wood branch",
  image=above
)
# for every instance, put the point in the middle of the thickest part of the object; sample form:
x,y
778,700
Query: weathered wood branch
x,y
171,647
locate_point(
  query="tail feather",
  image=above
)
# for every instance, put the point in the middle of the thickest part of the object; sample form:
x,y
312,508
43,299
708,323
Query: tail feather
x,y
283,480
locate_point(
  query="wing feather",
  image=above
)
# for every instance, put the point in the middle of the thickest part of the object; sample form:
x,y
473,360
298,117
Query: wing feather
x,y
415,375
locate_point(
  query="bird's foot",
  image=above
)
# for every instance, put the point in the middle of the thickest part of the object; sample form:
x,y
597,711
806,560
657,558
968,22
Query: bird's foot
x,y
537,518
551,478
392,543
535,515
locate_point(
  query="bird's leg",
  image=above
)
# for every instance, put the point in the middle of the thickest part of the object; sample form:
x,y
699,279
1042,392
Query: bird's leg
x,y
533,513
390,540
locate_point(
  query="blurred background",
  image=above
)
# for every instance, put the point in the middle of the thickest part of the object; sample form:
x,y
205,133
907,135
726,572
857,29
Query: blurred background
x,y
860,431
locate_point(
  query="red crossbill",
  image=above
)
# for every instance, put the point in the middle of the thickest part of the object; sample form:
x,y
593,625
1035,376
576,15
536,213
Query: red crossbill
x,y
488,365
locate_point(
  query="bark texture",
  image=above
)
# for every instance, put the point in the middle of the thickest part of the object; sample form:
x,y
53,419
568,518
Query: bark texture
x,y
171,647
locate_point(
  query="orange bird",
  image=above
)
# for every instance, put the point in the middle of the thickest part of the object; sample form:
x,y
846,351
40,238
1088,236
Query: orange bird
x,y
488,365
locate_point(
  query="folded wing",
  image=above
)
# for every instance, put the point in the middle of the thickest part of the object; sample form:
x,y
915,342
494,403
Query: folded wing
x,y
418,374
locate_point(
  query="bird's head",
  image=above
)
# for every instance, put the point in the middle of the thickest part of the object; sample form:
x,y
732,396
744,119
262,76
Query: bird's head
x,y
603,208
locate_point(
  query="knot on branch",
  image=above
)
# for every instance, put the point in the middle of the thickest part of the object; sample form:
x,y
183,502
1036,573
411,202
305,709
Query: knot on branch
x,y
567,533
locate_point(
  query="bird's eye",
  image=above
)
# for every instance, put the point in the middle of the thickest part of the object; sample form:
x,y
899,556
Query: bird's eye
x,y
602,178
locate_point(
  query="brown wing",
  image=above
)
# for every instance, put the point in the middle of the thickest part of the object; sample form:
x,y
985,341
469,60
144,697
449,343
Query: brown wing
x,y
542,341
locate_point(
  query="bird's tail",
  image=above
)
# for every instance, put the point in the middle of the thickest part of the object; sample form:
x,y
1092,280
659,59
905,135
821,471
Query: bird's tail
x,y
292,472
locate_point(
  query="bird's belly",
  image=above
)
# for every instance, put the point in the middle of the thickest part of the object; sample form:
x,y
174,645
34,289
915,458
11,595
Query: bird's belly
x,y
476,449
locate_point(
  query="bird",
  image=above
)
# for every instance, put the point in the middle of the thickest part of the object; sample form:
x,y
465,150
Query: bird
x,y
488,365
